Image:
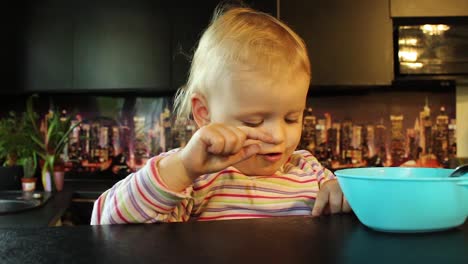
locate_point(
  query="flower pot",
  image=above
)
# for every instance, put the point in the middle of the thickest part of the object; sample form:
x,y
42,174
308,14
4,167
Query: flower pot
x,y
59,172
28,184
58,180
46,181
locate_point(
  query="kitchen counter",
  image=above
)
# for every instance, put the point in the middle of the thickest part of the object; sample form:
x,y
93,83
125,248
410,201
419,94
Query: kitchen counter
x,y
50,213
328,239
45,215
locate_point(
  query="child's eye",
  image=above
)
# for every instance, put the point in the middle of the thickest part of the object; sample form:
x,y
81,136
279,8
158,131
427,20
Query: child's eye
x,y
291,121
252,124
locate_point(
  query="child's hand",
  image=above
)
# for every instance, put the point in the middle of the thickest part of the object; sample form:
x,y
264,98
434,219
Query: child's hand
x,y
330,199
217,146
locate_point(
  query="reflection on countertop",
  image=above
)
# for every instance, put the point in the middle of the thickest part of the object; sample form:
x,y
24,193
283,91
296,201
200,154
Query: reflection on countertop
x,y
54,205
18,201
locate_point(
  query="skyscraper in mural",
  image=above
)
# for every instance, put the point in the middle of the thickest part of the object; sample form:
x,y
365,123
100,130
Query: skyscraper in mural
x,y
308,130
371,140
381,138
346,140
333,136
441,137
426,129
397,143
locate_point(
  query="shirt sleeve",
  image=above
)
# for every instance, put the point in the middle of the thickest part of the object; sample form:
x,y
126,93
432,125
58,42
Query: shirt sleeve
x,y
142,197
310,163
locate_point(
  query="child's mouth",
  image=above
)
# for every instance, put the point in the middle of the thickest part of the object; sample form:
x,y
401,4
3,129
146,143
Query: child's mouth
x,y
272,157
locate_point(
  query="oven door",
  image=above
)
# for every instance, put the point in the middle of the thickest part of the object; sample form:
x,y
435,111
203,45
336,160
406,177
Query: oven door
x,y
431,46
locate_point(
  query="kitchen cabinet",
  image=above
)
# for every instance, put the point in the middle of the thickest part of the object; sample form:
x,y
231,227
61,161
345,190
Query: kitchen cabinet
x,y
428,8
110,45
122,46
94,45
10,41
188,23
47,48
349,42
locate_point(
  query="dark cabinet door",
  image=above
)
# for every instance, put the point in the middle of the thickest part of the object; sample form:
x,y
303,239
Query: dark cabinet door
x,y
424,8
189,19
45,59
10,43
349,42
121,46
188,23
106,45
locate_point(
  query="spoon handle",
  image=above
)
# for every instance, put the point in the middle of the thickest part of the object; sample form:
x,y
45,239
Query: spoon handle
x,y
459,171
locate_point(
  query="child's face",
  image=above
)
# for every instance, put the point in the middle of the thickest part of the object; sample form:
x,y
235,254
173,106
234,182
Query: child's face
x,y
274,105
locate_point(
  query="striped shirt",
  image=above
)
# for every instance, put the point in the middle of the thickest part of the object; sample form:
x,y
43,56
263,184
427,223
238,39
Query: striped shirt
x,y
142,197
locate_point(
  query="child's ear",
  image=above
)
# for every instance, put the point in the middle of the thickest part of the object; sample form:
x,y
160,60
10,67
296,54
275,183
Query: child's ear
x,y
200,111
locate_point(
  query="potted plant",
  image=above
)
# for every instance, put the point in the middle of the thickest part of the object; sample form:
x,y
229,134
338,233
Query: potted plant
x,y
28,181
50,139
16,148
15,142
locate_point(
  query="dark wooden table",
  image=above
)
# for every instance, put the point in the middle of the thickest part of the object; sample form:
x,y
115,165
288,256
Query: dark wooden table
x,y
329,239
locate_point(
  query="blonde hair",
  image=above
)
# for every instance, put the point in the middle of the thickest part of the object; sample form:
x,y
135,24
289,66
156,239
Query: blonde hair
x,y
241,39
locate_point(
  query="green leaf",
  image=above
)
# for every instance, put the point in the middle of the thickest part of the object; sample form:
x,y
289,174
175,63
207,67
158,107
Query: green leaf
x,y
30,112
50,133
65,138
41,155
39,142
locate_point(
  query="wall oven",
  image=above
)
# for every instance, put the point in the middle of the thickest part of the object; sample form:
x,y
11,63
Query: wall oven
x,y
432,47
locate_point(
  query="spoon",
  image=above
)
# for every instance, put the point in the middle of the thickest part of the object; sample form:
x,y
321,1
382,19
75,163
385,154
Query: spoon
x,y
459,171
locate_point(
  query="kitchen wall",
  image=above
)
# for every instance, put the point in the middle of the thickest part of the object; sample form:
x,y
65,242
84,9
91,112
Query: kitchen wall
x,y
351,46
398,127
424,8
384,127
462,115
351,42
448,8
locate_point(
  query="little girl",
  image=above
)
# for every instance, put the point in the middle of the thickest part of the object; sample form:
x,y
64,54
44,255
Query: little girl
x,y
246,92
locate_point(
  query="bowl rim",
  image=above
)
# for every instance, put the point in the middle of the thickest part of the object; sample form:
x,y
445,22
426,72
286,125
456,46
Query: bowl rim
x,y
345,173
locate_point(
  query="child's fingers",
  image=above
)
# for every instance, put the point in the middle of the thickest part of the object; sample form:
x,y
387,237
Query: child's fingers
x,y
335,202
320,202
213,139
240,139
245,153
224,140
345,207
232,140
227,140
257,134
249,142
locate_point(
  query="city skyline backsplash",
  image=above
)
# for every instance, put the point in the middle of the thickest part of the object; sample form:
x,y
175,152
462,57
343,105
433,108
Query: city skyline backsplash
x,y
119,134
421,133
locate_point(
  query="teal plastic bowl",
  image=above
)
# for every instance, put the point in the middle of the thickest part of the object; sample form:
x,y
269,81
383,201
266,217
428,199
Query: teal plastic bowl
x,y
394,199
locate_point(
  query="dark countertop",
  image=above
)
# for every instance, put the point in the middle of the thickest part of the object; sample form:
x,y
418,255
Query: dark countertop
x,y
49,213
328,239
45,215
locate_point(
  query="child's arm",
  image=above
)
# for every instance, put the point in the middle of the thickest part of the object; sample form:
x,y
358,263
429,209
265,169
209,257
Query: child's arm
x,y
142,197
330,198
153,194
212,148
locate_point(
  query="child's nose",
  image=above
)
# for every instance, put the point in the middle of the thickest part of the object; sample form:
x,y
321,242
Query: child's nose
x,y
277,133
